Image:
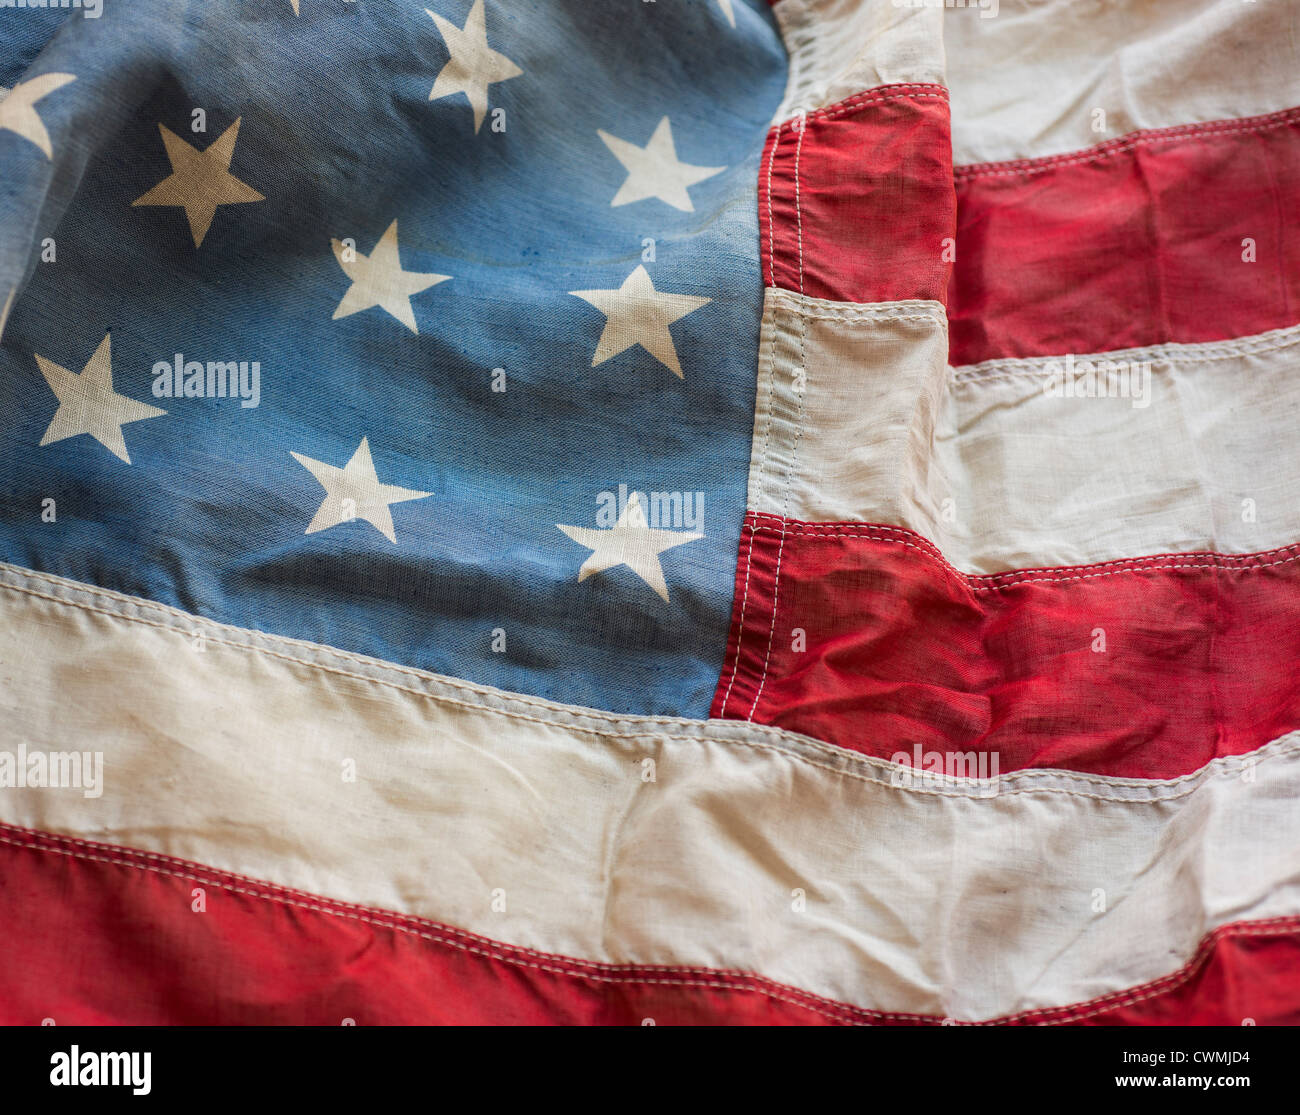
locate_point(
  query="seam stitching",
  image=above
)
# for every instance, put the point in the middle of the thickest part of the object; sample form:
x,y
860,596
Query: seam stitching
x,y
446,935
1129,996
766,367
1148,791
189,623
1169,354
1123,144
802,126
595,970
990,582
916,309
847,105
740,626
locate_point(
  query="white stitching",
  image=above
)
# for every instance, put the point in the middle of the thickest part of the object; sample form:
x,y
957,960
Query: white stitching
x,y
798,429
771,227
1126,143
584,969
1274,340
991,582
840,761
598,971
740,627
1129,996
766,341
873,96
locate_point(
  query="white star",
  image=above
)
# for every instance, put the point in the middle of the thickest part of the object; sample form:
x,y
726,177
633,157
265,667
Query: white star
x,y
295,6
632,543
18,108
200,181
89,405
378,280
354,492
473,65
725,5
655,171
637,314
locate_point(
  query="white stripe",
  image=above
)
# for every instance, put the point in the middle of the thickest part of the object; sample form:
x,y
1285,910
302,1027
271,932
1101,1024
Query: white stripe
x,y
1032,78
1030,82
971,901
841,47
1001,475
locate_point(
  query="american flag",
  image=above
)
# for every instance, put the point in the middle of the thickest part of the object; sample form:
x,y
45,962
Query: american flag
x,y
649,511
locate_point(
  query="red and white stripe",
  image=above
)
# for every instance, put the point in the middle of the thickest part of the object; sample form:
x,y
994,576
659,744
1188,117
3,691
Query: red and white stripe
x,y
938,554
941,552
568,864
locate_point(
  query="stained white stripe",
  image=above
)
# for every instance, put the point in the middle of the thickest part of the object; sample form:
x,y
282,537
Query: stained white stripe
x,y
1032,78
971,901
859,418
1049,76
841,47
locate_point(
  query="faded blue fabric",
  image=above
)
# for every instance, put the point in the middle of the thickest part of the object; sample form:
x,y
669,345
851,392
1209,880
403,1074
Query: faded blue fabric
x,y
338,133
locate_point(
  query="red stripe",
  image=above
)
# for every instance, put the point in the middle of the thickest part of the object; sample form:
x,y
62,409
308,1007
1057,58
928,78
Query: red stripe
x,y
1134,242
100,935
855,203
902,650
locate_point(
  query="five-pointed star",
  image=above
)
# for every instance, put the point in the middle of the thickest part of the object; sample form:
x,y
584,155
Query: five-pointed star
x,y
637,314
295,6
655,171
89,405
200,180
473,65
632,543
725,5
354,492
18,108
378,280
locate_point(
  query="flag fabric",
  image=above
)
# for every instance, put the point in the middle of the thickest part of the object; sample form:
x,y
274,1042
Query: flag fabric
x,y
698,511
